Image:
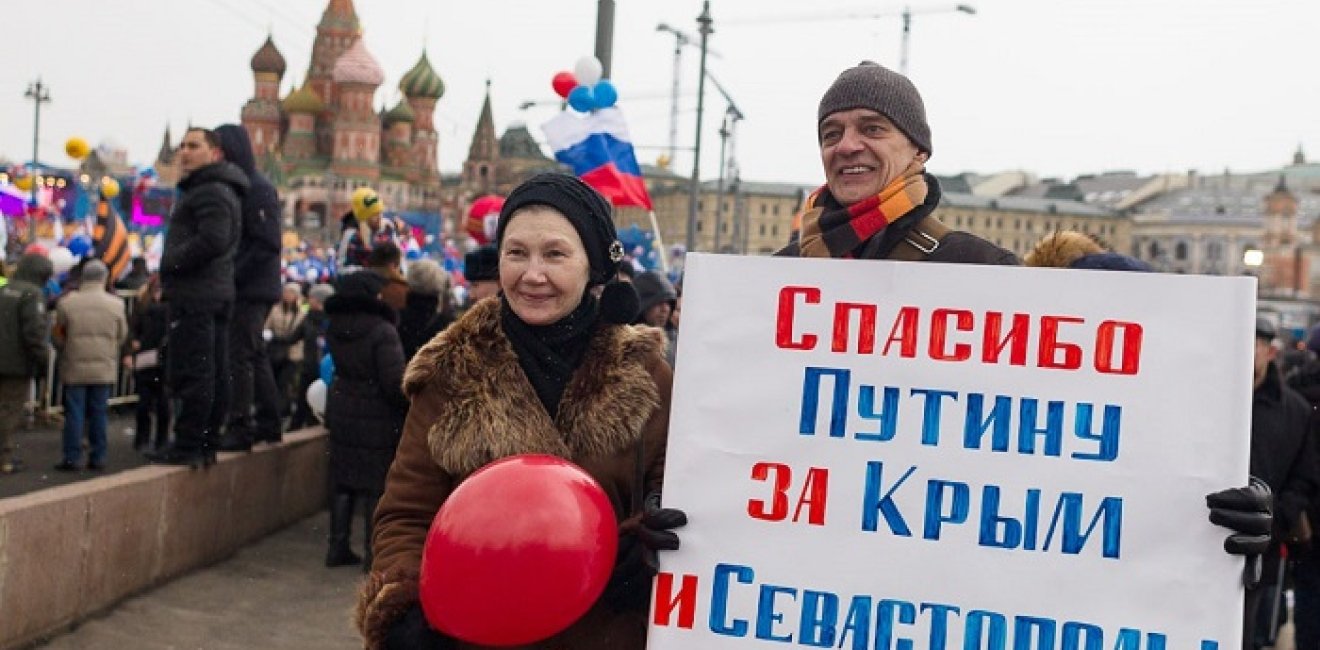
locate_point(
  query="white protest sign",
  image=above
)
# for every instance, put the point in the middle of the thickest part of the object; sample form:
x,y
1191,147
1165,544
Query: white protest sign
x,y
911,455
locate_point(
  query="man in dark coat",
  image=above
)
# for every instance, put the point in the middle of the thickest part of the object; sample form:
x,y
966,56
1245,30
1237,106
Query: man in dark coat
x,y
1282,455
257,286
878,202
365,407
197,280
23,349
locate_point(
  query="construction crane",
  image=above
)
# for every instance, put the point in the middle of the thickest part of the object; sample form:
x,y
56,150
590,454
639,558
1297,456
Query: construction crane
x,y
906,14
680,39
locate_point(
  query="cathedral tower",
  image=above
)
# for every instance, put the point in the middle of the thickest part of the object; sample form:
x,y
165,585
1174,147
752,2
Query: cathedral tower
x,y
356,128
261,114
422,88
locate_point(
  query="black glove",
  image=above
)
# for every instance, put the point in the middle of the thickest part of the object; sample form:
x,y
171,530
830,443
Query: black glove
x,y
1249,512
637,562
411,632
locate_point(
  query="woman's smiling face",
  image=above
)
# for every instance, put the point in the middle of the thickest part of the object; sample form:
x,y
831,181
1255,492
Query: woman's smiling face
x,y
543,265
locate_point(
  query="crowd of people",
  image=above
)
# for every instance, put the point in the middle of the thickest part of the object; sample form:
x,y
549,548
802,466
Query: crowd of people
x,y
561,348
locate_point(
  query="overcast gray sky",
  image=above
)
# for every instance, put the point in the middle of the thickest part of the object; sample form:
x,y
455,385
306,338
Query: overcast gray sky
x,y
1055,87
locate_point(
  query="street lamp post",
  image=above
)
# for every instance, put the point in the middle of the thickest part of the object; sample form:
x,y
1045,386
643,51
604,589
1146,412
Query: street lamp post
x,y
39,93
704,21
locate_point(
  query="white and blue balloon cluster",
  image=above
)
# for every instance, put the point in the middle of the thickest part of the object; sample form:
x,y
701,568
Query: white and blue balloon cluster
x,y
583,88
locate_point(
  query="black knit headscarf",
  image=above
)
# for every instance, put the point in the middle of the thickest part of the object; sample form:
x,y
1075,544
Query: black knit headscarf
x,y
549,354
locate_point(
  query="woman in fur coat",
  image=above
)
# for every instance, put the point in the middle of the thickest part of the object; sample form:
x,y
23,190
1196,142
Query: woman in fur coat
x,y
545,367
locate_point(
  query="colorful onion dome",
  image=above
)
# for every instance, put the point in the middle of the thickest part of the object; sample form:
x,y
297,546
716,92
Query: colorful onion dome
x,y
303,100
422,81
402,112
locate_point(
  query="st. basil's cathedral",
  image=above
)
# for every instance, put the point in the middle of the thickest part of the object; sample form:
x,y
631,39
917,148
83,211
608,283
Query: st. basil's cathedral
x,y
325,139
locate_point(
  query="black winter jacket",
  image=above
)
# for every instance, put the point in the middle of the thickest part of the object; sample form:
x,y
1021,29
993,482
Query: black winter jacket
x,y
23,321
1282,453
420,321
257,262
148,326
315,328
197,265
365,408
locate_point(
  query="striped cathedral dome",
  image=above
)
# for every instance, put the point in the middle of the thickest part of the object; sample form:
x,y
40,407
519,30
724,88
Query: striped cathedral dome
x,y
422,81
400,113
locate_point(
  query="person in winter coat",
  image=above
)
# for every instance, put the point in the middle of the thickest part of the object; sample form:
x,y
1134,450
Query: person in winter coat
x,y
1283,455
1305,553
285,352
314,329
364,409
657,299
363,229
878,202
481,268
386,260
147,330
90,331
197,281
427,309
551,369
256,287
24,351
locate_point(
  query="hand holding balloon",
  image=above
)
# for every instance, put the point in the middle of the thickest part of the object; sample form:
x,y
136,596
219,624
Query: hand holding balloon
x,y
640,538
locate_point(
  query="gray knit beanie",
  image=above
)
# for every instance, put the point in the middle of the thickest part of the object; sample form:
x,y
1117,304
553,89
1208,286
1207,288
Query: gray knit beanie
x,y
871,85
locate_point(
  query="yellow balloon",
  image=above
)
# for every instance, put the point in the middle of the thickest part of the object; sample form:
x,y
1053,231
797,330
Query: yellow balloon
x,y
23,183
109,187
77,148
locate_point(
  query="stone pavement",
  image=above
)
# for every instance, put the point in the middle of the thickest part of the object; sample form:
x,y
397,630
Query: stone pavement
x,y
274,594
40,447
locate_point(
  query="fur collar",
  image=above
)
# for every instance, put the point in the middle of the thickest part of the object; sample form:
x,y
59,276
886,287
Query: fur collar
x,y
1061,248
488,409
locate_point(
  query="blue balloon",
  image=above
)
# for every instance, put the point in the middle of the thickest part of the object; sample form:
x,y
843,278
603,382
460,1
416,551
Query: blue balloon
x,y
79,245
581,99
606,94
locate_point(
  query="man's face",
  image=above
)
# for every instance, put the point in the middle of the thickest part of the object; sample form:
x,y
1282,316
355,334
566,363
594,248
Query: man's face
x,y
1264,354
195,152
863,152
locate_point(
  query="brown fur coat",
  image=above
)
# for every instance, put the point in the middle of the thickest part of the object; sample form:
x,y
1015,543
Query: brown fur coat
x,y
472,404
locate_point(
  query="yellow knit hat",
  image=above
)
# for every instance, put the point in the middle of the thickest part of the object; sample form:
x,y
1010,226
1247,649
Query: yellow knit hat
x,y
366,204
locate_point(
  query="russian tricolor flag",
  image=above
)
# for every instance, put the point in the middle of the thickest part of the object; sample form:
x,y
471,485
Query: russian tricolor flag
x,y
598,149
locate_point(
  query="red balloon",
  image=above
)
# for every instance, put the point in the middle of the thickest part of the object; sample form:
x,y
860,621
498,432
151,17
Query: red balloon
x,y
483,216
518,552
564,82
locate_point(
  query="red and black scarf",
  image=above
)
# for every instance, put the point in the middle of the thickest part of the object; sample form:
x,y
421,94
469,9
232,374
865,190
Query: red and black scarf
x,y
830,229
